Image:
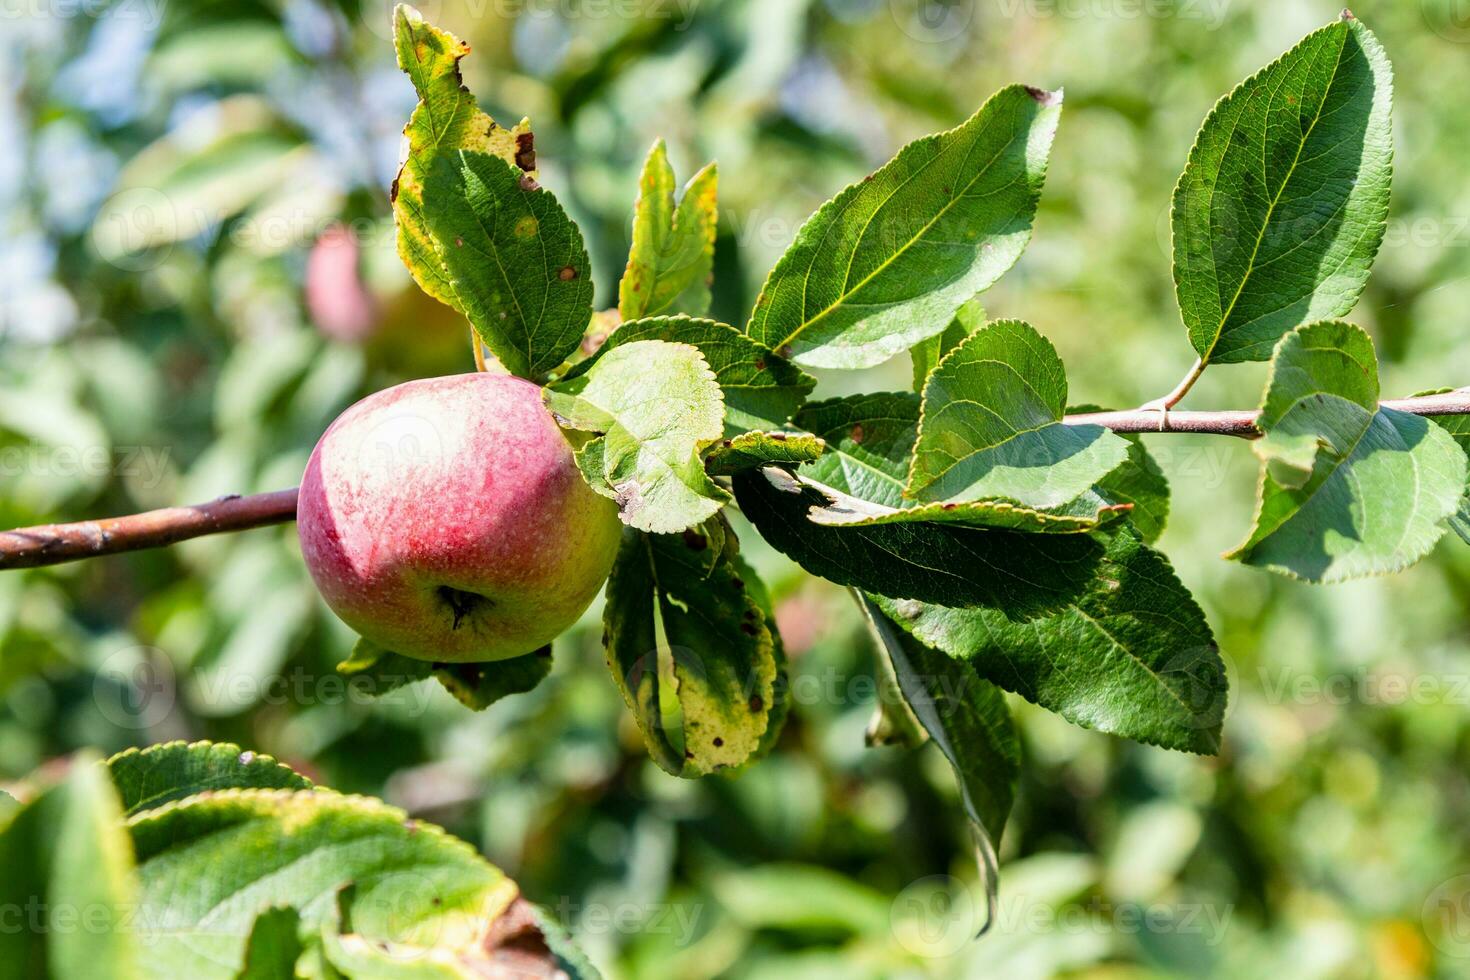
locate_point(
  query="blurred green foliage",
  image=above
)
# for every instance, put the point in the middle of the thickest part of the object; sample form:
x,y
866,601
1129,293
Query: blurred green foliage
x,y
197,274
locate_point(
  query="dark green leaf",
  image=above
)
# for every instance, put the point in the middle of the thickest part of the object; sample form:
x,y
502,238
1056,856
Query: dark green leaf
x,y
1022,574
1139,482
1282,205
514,259
1132,656
1347,488
887,262
479,685
273,947
966,717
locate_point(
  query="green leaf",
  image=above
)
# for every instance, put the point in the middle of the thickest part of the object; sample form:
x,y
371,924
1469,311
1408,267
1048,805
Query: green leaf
x,y
68,869
869,439
208,865
887,262
446,119
1132,656
925,355
966,717
160,774
683,599
514,259
1347,488
991,426
672,258
755,587
751,449
273,948
475,685
1023,574
1458,426
657,406
381,671
1282,205
479,685
761,390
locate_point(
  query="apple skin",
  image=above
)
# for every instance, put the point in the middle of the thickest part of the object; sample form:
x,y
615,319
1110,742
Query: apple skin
x,y
445,519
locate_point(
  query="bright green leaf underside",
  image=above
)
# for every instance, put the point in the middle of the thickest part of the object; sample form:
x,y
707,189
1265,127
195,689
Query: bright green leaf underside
x,y
657,406
761,390
1347,488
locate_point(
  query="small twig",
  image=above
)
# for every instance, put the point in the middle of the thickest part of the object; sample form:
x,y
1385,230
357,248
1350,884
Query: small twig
x,y
1163,405
52,544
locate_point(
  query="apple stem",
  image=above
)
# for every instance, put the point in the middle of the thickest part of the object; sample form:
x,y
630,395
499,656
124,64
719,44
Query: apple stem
x,y
479,350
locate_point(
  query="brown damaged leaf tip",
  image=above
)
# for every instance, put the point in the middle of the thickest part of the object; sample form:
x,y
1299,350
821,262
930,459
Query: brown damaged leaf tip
x,y
1042,96
526,152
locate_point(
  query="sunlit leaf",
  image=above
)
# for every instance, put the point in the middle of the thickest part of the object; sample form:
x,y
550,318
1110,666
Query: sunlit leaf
x,y
752,449
657,407
151,777
673,253
887,262
991,426
515,261
761,390
446,119
1347,488
1282,205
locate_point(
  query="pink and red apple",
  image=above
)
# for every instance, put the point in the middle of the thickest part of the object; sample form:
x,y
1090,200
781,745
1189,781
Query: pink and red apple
x,y
446,520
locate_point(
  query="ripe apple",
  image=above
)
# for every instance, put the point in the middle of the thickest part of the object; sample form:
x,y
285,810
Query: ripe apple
x,y
446,520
